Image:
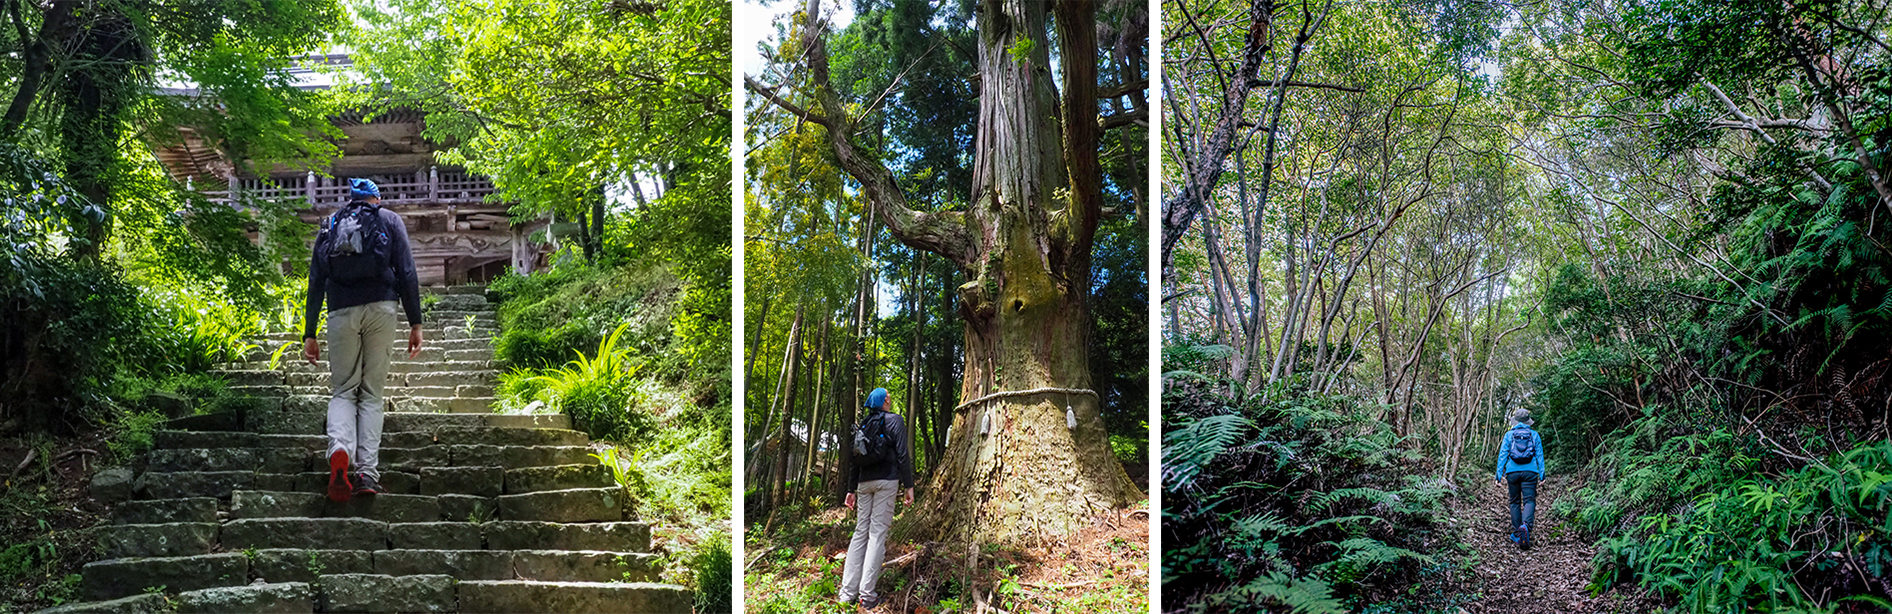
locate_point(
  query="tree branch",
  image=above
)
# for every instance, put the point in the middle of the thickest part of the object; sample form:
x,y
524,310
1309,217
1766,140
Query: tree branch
x,y
1204,170
943,232
793,109
1139,117
1322,86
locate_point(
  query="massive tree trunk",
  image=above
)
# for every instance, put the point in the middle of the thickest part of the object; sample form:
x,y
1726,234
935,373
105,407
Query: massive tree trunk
x,y
1012,472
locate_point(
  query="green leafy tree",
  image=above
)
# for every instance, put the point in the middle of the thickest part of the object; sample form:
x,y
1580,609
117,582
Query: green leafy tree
x,y
1023,242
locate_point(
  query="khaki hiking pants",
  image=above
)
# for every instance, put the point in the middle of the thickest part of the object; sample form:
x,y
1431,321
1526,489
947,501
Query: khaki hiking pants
x,y
360,340
873,514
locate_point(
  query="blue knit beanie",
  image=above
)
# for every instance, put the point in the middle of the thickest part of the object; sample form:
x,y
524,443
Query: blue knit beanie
x,y
877,398
362,189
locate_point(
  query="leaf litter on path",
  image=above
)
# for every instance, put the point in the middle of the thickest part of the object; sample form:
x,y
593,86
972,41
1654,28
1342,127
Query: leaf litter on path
x,y
1553,577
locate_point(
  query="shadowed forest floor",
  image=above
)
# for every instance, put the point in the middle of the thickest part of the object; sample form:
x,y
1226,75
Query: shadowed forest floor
x,y
1102,568
1552,577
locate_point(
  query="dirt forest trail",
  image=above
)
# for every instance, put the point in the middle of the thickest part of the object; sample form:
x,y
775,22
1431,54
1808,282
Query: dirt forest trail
x,y
1549,578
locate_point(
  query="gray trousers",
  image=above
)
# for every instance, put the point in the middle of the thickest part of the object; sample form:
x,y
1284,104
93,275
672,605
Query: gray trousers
x,y
873,514
360,340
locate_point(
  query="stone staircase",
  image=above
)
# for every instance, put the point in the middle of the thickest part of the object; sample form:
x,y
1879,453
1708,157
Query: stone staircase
x,y
454,372
484,512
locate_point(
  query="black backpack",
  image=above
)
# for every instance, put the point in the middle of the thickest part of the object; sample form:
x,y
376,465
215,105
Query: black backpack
x,y
1520,446
873,444
356,246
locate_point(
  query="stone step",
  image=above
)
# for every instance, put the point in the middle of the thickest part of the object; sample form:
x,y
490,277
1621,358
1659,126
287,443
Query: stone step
x,y
411,404
183,540
393,482
456,290
301,565
569,505
529,596
533,550
384,593
458,316
169,439
266,460
462,301
222,484
541,565
557,477
427,361
628,536
166,511
292,362
476,482
171,539
455,435
305,533
248,504
430,330
146,603
217,484
120,577
449,435
289,422
484,482
280,598
395,380
392,391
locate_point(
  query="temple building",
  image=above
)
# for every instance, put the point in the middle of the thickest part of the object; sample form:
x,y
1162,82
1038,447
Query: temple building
x,y
456,234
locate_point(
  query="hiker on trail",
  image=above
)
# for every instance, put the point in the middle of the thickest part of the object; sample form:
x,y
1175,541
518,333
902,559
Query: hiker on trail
x,y
1521,464
883,464
362,264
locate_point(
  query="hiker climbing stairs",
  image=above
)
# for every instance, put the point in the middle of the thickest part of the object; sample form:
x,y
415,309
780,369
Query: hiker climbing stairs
x,y
483,512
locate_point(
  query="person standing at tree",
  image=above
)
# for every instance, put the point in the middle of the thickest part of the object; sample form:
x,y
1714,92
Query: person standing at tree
x,y
1521,464
362,264
883,465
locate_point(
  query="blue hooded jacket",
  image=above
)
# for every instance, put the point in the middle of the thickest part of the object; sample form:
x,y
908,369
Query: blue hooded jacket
x,y
1504,456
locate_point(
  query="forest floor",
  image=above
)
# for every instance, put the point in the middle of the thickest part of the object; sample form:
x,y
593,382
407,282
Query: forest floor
x,y
1102,568
1553,577
45,514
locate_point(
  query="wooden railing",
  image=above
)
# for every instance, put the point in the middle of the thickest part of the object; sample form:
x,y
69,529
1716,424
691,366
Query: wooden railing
x,y
428,185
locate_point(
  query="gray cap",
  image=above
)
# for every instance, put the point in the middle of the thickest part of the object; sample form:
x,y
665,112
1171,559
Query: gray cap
x,y
1522,416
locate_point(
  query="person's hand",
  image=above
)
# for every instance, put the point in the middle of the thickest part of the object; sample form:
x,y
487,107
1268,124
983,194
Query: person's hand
x,y
413,341
850,501
311,351
909,498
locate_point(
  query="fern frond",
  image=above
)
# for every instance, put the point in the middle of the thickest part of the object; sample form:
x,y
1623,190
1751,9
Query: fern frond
x,y
1299,595
1187,450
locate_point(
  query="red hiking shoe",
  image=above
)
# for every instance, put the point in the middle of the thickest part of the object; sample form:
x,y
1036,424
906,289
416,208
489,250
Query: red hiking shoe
x,y
339,488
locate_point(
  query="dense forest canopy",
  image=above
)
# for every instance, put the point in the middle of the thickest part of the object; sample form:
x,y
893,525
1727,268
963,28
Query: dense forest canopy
x,y
1655,224
881,165
611,114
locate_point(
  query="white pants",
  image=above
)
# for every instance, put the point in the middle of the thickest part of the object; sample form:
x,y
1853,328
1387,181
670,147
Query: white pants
x,y
873,514
359,341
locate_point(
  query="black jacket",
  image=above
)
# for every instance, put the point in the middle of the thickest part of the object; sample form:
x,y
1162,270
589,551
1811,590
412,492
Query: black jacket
x,y
406,285
902,465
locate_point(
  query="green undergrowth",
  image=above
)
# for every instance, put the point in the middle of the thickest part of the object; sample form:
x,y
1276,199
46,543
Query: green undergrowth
x,y
1291,501
45,520
597,344
546,317
1699,520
